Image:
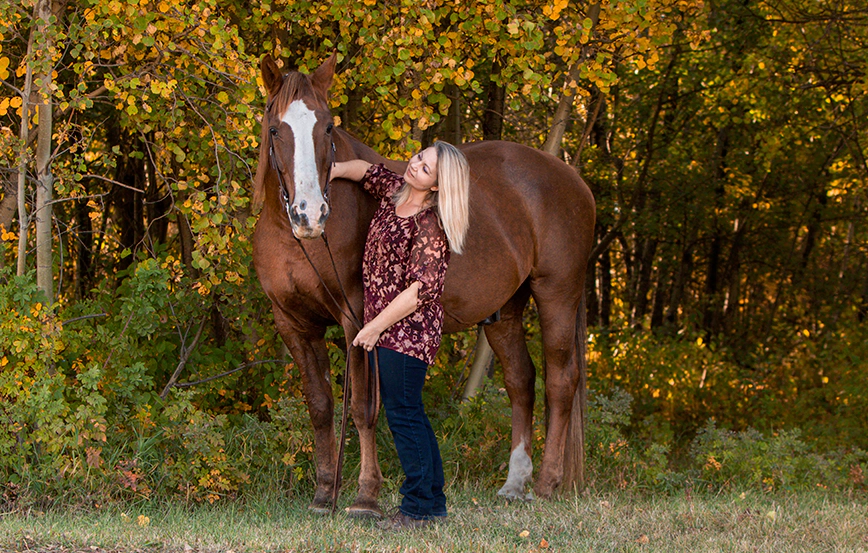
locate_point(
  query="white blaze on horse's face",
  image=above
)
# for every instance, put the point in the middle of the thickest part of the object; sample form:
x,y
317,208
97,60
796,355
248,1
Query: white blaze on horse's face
x,y
309,209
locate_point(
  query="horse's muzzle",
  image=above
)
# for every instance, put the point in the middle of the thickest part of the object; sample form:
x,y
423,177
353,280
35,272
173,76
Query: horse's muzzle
x,y
308,222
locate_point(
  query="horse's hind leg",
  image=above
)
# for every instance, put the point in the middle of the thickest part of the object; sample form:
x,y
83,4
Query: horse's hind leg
x,y
507,339
557,311
310,354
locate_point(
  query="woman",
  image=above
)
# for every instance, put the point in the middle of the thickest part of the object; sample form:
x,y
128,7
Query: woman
x,y
422,216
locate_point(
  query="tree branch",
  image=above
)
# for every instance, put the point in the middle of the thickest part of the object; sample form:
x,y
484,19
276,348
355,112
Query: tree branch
x,y
185,355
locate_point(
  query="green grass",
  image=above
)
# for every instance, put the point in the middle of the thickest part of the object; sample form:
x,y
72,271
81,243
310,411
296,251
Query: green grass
x,y
479,521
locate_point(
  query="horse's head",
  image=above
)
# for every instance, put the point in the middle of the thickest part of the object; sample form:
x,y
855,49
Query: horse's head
x,y
297,144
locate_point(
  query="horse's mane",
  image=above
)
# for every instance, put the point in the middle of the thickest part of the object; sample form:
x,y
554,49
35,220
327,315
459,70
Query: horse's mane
x,y
295,85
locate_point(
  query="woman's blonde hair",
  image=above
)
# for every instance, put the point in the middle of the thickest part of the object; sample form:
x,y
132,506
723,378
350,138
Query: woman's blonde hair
x,y
453,203
453,195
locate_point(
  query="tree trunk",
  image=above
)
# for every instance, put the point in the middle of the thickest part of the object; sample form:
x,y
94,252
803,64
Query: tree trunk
x,y
452,125
483,358
83,279
562,115
8,206
711,315
128,211
592,297
157,207
606,288
660,295
24,134
685,268
492,120
44,177
185,233
565,103
645,260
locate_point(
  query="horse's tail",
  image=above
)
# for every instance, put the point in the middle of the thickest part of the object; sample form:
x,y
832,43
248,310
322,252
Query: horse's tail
x,y
574,449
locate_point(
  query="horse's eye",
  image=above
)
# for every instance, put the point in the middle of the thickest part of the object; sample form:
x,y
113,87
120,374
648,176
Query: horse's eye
x,y
329,128
273,131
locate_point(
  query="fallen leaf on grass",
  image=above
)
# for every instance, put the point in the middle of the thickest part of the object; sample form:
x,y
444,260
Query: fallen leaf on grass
x,y
643,539
543,544
524,534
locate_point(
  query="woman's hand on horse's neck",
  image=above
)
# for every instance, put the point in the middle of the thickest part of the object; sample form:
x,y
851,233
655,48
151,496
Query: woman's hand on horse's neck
x,y
353,169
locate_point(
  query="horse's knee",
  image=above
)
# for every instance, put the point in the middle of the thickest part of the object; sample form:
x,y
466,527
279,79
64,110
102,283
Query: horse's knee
x,y
321,411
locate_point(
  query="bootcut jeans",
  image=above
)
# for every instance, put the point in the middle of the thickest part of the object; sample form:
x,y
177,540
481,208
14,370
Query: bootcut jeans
x,y
401,380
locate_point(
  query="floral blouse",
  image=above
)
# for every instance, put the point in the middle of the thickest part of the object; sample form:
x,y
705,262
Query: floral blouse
x,y
398,252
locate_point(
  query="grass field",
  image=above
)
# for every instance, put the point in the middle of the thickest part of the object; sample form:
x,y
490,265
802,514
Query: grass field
x,y
479,521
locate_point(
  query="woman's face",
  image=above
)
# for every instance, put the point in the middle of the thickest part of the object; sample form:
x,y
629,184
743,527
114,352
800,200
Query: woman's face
x,y
421,171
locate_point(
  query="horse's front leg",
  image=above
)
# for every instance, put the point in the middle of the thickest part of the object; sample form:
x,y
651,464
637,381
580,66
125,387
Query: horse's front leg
x,y
308,350
365,403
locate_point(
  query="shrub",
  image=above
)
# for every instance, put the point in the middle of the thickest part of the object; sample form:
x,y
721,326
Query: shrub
x,y
615,458
779,461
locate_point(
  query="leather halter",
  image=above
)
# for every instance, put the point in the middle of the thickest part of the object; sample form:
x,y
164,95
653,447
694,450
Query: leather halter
x,y
284,192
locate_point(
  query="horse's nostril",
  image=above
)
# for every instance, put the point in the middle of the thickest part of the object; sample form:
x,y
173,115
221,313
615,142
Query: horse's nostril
x,y
303,205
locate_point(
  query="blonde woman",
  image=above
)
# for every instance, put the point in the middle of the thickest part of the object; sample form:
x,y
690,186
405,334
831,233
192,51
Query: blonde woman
x,y
423,216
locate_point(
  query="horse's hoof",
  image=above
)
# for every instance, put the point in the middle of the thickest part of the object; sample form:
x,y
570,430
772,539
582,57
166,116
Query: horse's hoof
x,y
365,510
544,492
515,495
320,508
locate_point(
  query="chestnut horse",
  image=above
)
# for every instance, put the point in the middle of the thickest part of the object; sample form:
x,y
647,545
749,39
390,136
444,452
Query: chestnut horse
x,y
531,234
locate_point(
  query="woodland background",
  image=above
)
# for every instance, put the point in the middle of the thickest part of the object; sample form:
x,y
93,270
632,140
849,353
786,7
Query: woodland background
x,y
725,142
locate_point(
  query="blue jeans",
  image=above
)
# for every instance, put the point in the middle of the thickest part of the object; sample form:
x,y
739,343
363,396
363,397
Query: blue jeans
x,y
401,380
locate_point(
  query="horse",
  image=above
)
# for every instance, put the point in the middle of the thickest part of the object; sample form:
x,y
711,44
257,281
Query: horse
x,y
531,234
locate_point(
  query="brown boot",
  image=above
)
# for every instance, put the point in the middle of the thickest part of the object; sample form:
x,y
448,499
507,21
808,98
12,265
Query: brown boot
x,y
399,521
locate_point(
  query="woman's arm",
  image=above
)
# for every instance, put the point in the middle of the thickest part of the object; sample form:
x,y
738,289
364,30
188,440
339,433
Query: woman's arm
x,y
403,304
354,169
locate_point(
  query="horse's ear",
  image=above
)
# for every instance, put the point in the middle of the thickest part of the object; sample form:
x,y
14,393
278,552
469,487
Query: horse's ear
x,y
322,77
272,77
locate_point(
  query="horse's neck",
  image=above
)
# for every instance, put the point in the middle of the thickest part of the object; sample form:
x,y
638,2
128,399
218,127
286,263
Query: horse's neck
x,y
349,147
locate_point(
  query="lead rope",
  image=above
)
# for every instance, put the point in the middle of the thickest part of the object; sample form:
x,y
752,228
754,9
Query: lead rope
x,y
373,375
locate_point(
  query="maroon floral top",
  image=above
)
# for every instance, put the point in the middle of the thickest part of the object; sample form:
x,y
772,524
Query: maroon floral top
x,y
398,252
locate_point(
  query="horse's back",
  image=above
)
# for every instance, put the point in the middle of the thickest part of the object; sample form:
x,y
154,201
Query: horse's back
x,y
531,216
543,181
